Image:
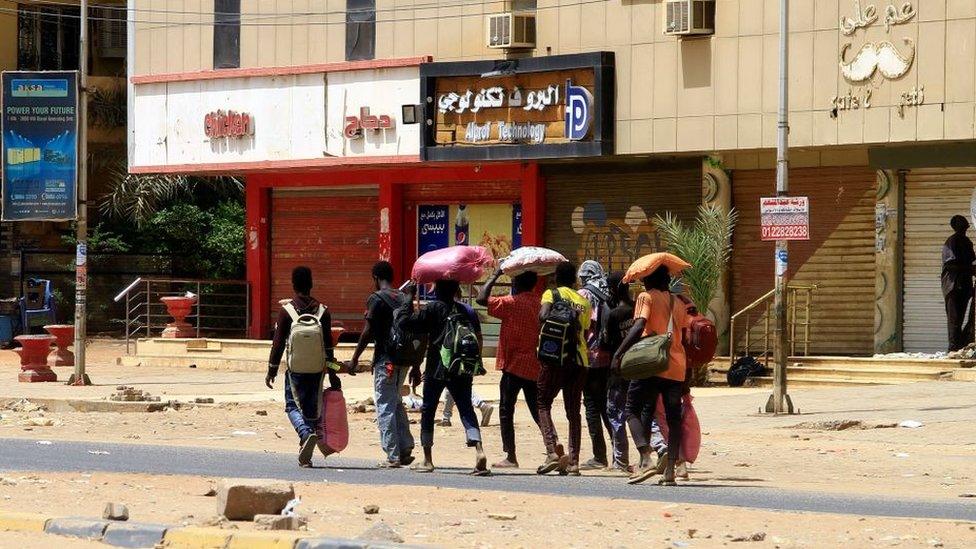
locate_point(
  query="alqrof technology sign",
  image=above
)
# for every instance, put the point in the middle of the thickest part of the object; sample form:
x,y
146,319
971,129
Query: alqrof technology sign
x,y
40,145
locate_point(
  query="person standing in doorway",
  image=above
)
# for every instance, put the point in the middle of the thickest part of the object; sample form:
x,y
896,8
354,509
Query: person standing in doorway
x,y
568,377
594,287
391,414
957,283
517,358
303,389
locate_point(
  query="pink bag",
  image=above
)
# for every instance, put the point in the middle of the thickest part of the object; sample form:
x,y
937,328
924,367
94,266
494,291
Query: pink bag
x,y
464,264
335,423
690,428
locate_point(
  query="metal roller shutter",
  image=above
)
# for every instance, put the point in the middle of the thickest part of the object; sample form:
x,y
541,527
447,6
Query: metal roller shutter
x,y
932,197
606,213
839,258
333,232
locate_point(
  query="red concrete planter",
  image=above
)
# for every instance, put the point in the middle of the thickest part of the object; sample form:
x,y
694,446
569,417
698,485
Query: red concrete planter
x,y
33,358
179,307
64,335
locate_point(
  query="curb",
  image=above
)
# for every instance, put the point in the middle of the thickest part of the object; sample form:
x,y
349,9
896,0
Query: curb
x,y
23,522
134,535
76,527
196,538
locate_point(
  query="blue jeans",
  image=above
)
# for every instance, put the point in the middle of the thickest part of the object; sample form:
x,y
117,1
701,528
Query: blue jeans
x,y
617,413
303,402
460,389
391,414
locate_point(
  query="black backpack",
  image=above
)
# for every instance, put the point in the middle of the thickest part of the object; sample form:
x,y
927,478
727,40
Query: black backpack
x,y
600,336
407,348
559,334
744,368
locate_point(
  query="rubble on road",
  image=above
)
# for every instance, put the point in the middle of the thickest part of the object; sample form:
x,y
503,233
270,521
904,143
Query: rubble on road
x,y
967,352
124,393
280,522
371,509
115,511
381,532
842,425
242,499
367,405
24,406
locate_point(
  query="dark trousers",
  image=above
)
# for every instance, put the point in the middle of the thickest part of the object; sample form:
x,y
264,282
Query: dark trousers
x,y
617,388
960,332
509,387
303,401
595,403
569,380
460,389
645,392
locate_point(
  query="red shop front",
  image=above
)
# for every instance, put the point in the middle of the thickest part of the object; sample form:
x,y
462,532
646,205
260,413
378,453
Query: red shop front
x,y
339,222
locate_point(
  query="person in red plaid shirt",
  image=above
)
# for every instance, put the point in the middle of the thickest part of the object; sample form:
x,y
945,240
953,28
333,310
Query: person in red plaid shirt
x,y
517,359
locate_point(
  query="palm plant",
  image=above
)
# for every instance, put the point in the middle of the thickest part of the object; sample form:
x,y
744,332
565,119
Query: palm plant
x,y
707,245
137,198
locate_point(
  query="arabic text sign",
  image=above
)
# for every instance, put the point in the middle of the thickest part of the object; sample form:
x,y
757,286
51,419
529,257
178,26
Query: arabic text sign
x,y
39,129
785,218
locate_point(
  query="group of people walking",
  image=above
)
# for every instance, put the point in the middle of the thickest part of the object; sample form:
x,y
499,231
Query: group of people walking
x,y
606,321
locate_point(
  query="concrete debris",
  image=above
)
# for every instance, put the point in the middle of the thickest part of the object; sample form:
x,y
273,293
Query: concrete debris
x,y
115,511
967,352
371,509
202,400
218,521
241,499
280,522
502,516
842,425
24,405
381,532
124,393
261,412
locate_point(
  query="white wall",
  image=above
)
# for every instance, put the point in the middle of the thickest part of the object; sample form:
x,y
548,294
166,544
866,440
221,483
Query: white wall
x,y
295,117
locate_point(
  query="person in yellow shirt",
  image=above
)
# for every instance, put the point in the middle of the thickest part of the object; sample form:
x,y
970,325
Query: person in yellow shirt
x,y
568,378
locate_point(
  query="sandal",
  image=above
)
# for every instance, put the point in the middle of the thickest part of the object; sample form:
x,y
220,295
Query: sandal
x,y
649,472
552,463
480,473
422,468
389,465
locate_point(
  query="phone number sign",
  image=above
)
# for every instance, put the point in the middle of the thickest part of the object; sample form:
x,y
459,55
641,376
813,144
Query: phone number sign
x,y
785,218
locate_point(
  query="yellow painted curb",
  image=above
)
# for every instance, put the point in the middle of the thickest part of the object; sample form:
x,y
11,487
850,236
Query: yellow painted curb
x,y
196,538
22,522
264,540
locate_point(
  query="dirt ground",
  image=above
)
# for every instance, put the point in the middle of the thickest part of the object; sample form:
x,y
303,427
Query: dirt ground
x,y
452,518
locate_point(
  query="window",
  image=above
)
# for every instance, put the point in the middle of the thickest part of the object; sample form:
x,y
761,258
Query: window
x,y
360,29
47,38
227,34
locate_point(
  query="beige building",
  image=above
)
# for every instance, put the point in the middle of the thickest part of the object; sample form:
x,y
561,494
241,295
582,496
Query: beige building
x,y
882,123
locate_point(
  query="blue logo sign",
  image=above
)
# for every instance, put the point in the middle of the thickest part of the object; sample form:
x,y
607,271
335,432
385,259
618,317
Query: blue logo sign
x,y
579,111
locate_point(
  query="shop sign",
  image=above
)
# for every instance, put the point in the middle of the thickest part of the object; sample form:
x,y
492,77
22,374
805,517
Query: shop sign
x,y
873,63
432,228
545,107
39,129
356,125
236,125
785,218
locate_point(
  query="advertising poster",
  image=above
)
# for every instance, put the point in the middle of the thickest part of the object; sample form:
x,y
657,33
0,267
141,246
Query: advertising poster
x,y
785,218
433,223
516,226
40,144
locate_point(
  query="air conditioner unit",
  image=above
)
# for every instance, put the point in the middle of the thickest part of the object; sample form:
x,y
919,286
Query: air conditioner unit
x,y
690,17
511,30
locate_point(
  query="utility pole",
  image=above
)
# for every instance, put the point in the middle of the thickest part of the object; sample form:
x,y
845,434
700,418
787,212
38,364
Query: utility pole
x,y
780,402
79,377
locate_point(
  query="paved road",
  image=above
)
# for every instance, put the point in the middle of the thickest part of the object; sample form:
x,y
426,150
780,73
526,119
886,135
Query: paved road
x,y
27,455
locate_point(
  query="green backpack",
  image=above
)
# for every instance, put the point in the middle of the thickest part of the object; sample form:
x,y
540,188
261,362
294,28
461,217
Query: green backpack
x,y
460,351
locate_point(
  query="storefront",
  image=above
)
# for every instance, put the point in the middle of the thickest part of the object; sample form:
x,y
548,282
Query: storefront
x,y
839,258
606,211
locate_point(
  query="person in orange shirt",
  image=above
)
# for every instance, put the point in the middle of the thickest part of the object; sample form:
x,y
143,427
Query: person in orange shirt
x,y
657,312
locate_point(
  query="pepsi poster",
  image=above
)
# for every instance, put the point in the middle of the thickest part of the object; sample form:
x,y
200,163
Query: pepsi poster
x,y
516,226
40,145
433,225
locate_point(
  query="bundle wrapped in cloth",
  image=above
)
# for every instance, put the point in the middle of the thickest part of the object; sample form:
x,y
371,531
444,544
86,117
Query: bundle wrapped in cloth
x,y
464,264
531,258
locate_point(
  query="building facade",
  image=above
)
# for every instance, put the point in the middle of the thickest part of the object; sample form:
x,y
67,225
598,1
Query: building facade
x,y
882,129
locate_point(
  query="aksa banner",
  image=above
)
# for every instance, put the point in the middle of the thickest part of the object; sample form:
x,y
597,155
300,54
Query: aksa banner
x,y
40,145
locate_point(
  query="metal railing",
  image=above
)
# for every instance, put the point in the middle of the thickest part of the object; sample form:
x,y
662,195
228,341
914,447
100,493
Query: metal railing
x,y
799,302
223,306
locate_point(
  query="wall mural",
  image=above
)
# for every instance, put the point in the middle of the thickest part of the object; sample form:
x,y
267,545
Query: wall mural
x,y
614,242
